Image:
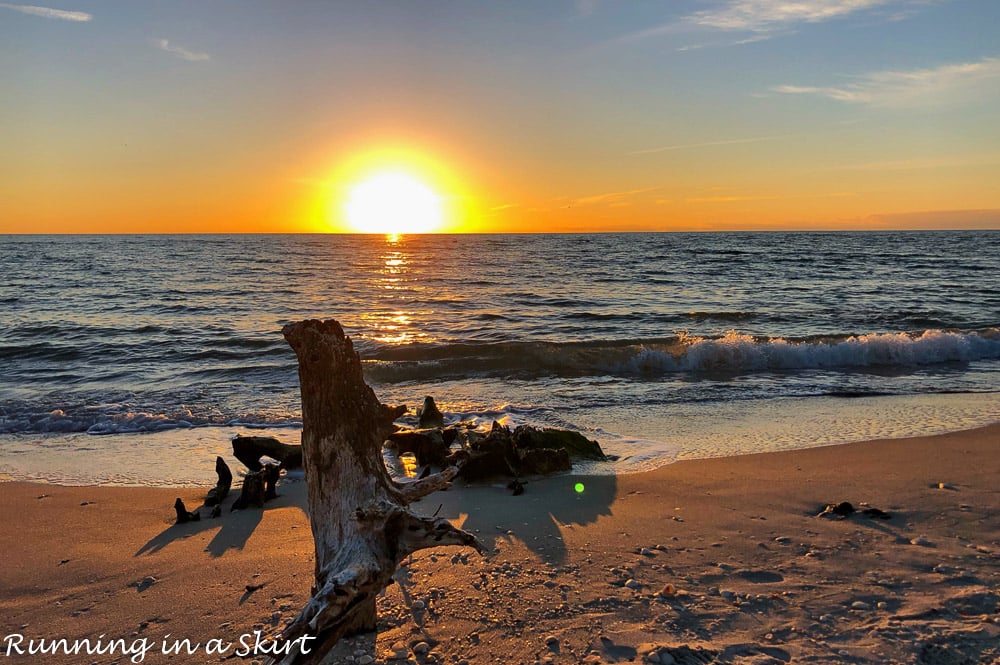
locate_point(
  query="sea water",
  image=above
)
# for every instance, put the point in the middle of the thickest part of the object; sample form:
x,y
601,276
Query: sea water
x,y
134,359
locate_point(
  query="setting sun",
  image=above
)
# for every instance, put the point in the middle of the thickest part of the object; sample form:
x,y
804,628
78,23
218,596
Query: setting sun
x,y
393,203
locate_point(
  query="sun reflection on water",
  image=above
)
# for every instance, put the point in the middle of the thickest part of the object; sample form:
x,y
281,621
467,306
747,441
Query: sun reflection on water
x,y
394,319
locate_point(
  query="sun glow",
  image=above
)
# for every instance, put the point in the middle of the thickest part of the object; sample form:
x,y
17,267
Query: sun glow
x,y
394,203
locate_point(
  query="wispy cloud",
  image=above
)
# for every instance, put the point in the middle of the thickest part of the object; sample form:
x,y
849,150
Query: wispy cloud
x,y
716,44
764,19
921,163
48,12
729,199
610,198
840,94
770,15
181,52
739,198
898,88
706,144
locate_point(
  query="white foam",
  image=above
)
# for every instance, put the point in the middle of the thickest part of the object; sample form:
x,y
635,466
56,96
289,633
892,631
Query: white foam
x,y
737,352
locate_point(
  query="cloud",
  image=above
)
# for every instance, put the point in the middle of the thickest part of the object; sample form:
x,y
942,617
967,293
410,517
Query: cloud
x,y
741,198
899,88
726,43
840,94
180,52
922,163
763,18
729,199
46,12
769,15
685,146
611,197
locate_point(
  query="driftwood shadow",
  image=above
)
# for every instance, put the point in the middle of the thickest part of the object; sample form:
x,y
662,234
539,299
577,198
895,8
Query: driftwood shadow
x,y
235,528
535,518
890,526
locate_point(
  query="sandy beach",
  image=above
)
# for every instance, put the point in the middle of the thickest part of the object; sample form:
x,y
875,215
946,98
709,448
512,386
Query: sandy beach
x,y
705,561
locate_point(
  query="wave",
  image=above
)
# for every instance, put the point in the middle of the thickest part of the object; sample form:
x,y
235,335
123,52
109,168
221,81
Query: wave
x,y
269,350
100,421
724,316
737,352
40,351
107,419
730,353
87,345
261,392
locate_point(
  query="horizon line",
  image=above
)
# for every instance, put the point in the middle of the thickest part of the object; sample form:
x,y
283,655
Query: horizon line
x,y
500,233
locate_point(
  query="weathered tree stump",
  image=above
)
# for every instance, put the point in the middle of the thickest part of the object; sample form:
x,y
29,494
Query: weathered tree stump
x,y
361,527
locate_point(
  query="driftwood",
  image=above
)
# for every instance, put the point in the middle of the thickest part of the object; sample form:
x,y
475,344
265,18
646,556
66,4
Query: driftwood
x,y
183,515
429,446
214,498
249,450
258,487
218,494
575,444
526,451
430,415
361,527
845,509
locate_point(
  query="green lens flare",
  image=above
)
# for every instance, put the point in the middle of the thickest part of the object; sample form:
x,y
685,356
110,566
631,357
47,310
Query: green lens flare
x,y
579,488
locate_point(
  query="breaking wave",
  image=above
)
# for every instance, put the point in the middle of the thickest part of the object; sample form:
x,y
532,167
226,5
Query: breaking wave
x,y
268,394
731,353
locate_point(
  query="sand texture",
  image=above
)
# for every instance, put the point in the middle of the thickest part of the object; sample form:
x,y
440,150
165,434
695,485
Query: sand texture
x,y
707,561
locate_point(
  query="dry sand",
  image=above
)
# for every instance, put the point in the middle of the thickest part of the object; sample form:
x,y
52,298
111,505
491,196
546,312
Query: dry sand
x,y
576,576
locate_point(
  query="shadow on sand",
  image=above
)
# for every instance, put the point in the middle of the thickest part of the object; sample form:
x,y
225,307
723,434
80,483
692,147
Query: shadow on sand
x,y
235,528
535,518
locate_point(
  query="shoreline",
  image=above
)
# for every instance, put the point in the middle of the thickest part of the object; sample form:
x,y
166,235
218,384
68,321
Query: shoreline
x,y
185,457
757,577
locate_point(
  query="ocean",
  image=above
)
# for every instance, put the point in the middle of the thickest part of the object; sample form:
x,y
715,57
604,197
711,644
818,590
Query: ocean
x,y
133,360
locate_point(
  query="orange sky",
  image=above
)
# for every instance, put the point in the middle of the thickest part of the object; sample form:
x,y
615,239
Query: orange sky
x,y
579,117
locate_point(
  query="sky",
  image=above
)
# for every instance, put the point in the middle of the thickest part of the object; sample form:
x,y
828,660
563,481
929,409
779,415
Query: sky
x,y
523,115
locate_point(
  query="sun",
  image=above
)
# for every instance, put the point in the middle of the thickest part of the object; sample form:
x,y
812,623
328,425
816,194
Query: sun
x,y
393,203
